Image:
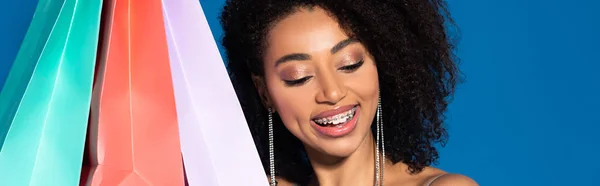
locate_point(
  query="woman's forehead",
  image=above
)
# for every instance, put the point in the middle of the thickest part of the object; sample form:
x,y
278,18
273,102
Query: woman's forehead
x,y
304,32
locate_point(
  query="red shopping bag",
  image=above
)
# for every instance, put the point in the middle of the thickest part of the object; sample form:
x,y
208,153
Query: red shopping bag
x,y
134,137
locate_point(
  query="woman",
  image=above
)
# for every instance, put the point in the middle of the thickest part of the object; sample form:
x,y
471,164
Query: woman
x,y
343,93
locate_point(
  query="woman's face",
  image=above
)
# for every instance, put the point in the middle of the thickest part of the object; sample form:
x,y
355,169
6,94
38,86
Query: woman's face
x,y
322,83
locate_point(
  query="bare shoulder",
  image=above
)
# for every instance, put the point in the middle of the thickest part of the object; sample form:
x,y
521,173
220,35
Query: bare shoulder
x,y
453,180
429,176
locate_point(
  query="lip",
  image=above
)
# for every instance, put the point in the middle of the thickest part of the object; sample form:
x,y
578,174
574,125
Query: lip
x,y
334,111
341,129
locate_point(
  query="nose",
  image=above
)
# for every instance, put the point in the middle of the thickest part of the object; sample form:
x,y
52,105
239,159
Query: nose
x,y
332,89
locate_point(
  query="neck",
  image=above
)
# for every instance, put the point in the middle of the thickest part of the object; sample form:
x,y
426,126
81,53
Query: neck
x,y
356,169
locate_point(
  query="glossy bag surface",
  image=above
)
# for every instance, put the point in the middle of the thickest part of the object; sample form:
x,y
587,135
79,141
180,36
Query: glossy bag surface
x,y
215,139
134,136
46,97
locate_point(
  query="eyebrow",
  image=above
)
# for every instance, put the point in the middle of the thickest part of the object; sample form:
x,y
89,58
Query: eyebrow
x,y
342,44
302,56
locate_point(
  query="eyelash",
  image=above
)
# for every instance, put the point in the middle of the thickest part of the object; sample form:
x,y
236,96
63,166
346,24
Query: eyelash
x,y
353,67
347,68
297,82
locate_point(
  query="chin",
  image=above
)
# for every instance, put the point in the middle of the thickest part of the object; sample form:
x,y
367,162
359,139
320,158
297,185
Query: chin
x,y
340,148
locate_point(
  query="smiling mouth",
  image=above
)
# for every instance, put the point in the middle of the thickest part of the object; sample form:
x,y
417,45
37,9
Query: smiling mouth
x,y
337,119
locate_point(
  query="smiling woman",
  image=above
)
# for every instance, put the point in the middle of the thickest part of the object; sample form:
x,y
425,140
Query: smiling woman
x,y
344,93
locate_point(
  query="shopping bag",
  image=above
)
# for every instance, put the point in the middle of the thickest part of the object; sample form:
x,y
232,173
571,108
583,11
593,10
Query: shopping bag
x,y
44,105
215,139
134,137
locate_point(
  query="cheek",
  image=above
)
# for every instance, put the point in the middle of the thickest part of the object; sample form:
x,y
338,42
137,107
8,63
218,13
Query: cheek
x,y
365,82
293,104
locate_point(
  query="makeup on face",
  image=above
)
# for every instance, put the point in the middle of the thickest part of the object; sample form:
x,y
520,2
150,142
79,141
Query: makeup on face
x,y
337,122
323,83
295,69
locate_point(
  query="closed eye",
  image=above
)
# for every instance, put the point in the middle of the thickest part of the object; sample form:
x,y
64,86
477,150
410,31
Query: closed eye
x,y
353,67
297,82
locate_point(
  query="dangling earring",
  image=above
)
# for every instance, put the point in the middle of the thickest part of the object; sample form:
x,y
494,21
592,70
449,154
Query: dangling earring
x,y
271,150
380,142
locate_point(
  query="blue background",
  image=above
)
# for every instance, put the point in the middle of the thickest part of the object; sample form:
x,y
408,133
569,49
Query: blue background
x,y
15,17
529,111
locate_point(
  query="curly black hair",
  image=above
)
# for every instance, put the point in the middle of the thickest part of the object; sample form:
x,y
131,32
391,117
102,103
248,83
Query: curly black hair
x,y
412,49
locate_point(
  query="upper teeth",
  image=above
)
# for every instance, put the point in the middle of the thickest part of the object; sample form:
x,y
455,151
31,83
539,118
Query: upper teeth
x,y
337,119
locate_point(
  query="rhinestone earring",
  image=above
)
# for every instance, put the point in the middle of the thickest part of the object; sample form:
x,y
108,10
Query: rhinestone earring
x,y
380,142
271,150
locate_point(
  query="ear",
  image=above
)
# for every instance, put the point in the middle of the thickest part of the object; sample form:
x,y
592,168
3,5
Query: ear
x,y
263,92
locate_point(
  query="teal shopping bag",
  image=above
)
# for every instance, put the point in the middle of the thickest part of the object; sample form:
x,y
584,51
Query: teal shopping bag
x,y
45,102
